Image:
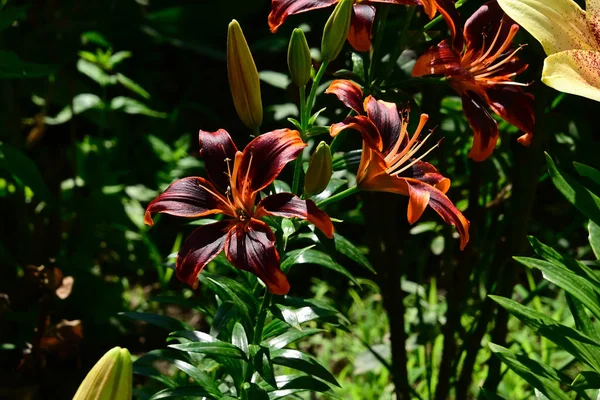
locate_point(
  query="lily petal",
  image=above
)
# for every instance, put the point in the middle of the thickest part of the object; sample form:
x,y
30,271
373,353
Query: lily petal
x,y
200,248
514,106
188,197
417,203
251,247
441,59
281,9
348,93
363,125
427,173
387,120
442,205
575,72
359,36
489,24
218,152
592,12
288,205
484,126
557,24
264,158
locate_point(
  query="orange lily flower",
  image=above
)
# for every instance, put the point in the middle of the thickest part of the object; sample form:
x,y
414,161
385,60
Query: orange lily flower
x,y
388,162
363,15
249,243
482,74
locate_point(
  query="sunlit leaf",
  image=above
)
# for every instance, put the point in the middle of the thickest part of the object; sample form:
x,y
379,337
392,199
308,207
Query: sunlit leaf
x,y
179,392
540,376
586,171
261,360
201,377
587,380
132,106
345,247
289,337
594,238
311,256
131,85
212,348
25,170
302,362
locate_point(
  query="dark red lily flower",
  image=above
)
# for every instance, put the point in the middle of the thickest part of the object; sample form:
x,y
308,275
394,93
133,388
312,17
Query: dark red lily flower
x,y
482,74
389,163
235,179
362,17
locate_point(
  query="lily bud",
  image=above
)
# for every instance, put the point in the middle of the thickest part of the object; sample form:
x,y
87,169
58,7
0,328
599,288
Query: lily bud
x,y
243,78
299,59
336,30
319,170
110,379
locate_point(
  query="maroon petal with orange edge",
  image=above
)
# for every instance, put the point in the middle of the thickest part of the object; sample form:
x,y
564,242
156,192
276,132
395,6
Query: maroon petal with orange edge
x,y
387,120
361,25
218,151
349,93
441,204
450,14
264,158
200,248
417,203
364,126
427,173
484,127
281,9
288,205
251,247
441,59
188,197
489,24
513,105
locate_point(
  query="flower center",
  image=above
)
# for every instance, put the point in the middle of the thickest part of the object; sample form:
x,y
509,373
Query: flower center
x,y
406,148
485,68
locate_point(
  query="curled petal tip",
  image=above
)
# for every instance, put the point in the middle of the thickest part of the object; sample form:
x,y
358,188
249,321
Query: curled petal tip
x,y
525,139
148,219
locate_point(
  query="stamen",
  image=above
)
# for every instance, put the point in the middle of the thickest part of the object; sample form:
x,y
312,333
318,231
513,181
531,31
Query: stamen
x,y
407,155
416,160
490,70
400,157
489,50
486,61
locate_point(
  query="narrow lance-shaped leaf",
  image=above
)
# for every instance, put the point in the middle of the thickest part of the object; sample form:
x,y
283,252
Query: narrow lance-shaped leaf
x,y
302,362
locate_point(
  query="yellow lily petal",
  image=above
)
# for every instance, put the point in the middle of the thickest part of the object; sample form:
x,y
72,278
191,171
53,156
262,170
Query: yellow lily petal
x,y
575,72
592,9
557,24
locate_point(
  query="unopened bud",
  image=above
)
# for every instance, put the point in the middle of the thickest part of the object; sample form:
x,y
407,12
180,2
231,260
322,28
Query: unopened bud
x,y
336,30
299,60
243,78
319,170
109,379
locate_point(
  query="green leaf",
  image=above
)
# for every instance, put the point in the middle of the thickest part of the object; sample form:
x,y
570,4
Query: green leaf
x,y
119,57
310,256
153,373
583,322
25,170
11,66
226,313
162,321
178,393
255,392
317,130
80,103
132,106
580,346
578,195
345,247
587,380
588,172
578,287
562,261
161,149
131,85
487,395
302,362
201,377
292,384
261,359
274,328
347,161
94,72
289,337
275,79
239,338
594,238
540,376
229,289
211,348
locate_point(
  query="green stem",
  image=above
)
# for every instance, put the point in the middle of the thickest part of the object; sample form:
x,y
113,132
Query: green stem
x,y
304,128
313,90
262,316
297,172
339,196
437,19
382,17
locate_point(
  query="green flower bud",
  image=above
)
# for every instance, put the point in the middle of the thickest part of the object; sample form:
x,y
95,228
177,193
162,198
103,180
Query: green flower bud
x,y
319,170
299,60
243,78
110,379
336,30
